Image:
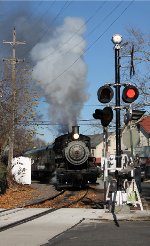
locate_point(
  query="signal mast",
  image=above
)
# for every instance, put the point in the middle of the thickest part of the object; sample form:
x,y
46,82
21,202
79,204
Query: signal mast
x,y
105,94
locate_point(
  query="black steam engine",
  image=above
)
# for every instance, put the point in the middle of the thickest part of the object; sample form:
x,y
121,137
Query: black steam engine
x,y
75,167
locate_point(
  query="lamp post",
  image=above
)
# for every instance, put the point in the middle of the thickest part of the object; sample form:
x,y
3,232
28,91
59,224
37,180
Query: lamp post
x,y
117,39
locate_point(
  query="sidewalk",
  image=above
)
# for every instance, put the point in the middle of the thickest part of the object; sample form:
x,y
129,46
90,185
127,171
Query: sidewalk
x,y
44,230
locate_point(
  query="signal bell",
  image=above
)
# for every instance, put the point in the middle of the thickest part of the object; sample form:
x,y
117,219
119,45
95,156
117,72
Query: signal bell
x,y
105,94
130,94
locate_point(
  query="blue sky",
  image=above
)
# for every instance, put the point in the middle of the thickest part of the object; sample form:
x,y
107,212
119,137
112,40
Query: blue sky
x,y
102,20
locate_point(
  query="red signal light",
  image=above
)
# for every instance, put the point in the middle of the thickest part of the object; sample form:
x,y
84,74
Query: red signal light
x,y
130,94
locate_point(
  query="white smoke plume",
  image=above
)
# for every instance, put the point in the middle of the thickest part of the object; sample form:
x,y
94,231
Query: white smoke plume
x,y
65,91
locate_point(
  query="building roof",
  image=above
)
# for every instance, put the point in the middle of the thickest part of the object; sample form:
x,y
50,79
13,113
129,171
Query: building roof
x,y
145,124
97,139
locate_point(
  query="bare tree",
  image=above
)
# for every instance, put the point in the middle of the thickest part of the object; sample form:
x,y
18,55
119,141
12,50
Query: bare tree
x,y
138,46
26,101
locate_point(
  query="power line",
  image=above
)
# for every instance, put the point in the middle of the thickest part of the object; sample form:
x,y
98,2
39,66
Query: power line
x,y
105,18
110,25
87,21
45,32
31,15
93,43
93,30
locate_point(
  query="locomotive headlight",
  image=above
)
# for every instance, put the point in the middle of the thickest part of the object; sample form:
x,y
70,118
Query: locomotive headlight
x,y
75,136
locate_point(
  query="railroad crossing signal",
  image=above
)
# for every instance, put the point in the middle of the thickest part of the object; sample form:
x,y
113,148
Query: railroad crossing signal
x,y
105,94
105,115
130,94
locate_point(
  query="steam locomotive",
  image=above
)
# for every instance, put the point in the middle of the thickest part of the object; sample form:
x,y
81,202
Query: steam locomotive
x,y
75,167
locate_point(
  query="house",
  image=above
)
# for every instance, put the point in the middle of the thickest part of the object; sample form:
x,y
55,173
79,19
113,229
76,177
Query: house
x,y
143,148
144,129
98,146
140,138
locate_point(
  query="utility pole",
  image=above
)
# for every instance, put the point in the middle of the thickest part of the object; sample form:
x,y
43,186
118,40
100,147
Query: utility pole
x,y
13,60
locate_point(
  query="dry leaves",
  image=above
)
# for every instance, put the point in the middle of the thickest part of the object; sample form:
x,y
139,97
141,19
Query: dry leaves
x,y
15,197
20,195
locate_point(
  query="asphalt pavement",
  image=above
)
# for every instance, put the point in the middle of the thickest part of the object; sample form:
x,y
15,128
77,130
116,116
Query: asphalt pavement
x,y
105,233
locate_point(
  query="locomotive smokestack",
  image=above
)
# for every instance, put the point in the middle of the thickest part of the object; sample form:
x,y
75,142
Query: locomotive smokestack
x,y
75,132
75,129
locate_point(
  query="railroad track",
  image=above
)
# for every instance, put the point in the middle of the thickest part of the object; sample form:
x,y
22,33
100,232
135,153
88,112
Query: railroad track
x,y
24,220
62,200
66,199
11,213
4,214
51,204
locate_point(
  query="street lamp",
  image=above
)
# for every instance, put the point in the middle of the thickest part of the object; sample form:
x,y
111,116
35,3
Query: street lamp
x,y
117,39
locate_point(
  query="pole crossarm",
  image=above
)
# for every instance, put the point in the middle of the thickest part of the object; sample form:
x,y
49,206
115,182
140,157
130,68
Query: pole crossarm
x,y
14,42
15,60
